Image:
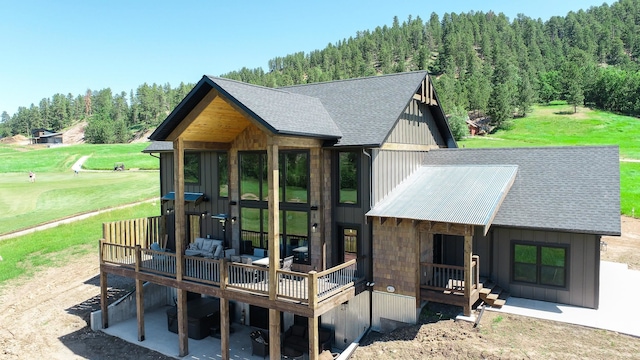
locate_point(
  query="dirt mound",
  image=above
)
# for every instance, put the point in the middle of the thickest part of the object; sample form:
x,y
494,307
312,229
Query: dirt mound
x,y
15,140
141,136
75,134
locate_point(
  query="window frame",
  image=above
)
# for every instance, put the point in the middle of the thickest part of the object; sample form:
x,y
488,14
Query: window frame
x,y
226,166
539,264
358,176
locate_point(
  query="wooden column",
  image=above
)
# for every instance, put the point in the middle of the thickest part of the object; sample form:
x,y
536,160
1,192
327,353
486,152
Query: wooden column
x,y
224,328
104,304
140,308
273,181
468,252
313,338
178,187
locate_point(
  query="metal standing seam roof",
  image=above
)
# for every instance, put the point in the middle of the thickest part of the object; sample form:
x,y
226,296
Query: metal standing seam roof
x,y
467,194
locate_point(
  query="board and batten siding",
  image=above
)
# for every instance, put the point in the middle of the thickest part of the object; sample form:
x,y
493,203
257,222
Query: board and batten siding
x,y
390,168
583,260
416,126
208,185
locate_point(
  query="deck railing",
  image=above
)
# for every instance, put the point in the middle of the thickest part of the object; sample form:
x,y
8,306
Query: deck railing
x,y
310,288
143,231
450,278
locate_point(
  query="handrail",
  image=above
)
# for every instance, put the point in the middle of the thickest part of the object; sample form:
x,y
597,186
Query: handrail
x,y
311,288
442,277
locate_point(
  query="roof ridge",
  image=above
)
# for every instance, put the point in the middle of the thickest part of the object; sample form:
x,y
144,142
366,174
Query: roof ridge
x,y
356,79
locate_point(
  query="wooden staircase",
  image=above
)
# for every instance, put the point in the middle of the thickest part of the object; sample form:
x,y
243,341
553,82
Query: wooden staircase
x,y
493,295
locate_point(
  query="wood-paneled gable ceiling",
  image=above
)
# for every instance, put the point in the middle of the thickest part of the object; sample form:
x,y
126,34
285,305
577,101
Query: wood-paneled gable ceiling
x,y
213,120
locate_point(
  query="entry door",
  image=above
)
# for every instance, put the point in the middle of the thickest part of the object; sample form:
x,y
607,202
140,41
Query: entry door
x,y
448,249
348,243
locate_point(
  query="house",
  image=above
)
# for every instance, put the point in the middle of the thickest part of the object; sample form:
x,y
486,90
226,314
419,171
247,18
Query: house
x,y
360,184
44,136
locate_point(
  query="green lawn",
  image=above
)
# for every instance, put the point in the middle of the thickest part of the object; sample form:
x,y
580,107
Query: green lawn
x,y
25,255
59,159
55,195
556,125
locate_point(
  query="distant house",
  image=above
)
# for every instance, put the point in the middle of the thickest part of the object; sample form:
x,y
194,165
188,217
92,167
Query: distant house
x,y
44,136
361,185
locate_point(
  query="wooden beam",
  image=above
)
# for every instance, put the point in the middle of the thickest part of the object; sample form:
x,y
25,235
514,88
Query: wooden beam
x,y
202,145
468,252
398,221
192,116
297,142
140,308
313,338
407,147
224,329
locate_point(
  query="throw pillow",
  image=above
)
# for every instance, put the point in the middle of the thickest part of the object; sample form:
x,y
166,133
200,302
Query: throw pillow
x,y
218,251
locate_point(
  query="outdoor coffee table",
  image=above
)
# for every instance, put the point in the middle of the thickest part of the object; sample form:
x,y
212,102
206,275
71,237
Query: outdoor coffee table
x,y
291,353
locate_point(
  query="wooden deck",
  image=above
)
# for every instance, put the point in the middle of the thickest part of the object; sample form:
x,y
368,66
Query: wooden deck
x,y
305,294
446,284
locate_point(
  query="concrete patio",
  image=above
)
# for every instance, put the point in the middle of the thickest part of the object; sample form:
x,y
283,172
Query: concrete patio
x,y
619,293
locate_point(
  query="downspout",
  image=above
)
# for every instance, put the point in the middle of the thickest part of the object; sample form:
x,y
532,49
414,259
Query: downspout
x,y
364,151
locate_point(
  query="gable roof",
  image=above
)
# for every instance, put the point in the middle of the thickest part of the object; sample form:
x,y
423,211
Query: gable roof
x,y
366,109
574,189
462,194
355,112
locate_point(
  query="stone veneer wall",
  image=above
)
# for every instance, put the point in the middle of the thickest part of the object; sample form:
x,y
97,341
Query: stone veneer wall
x,y
395,256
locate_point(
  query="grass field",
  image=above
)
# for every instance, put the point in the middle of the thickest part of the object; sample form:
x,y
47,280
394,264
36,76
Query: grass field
x,y
557,125
24,255
59,159
57,193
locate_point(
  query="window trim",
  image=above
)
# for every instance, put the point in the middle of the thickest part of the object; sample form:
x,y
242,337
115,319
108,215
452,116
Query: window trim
x,y
358,179
539,265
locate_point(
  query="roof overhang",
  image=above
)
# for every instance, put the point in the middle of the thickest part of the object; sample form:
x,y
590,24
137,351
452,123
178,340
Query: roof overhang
x,y
468,195
195,198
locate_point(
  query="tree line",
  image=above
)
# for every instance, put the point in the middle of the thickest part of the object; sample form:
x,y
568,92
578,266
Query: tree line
x,y
481,63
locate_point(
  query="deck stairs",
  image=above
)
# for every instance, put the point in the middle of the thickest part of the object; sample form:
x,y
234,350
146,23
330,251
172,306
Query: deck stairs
x,y
492,294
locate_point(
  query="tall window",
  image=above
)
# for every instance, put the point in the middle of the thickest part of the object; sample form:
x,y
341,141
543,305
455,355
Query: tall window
x,y
350,243
223,175
294,202
537,264
348,177
192,168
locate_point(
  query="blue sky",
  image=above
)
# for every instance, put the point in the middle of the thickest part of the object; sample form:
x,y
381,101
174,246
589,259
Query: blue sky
x,y
49,47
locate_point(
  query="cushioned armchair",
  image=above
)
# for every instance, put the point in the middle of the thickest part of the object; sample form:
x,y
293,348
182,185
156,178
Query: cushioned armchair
x,y
260,343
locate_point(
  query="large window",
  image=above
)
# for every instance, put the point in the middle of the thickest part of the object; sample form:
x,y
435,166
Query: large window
x,y
348,176
538,264
192,168
223,175
294,203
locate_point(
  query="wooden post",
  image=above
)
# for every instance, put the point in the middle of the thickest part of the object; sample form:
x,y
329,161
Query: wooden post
x,y
273,181
178,187
313,289
468,250
224,328
313,338
104,304
140,308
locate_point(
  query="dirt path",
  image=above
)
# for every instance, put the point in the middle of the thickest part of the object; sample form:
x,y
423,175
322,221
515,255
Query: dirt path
x,y
46,317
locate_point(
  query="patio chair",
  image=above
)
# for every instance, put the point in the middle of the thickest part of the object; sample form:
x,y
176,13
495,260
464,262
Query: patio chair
x,y
286,265
260,343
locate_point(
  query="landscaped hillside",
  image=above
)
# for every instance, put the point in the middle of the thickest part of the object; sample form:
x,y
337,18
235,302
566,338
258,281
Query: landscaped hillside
x,y
557,125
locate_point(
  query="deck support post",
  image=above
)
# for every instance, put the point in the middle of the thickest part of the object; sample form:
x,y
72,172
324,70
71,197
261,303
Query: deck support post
x,y
104,304
313,338
468,282
273,179
224,328
178,187
140,308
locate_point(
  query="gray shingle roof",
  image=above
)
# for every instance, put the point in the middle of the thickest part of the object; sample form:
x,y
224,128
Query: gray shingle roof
x,y
352,112
462,194
159,146
283,112
574,189
365,109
